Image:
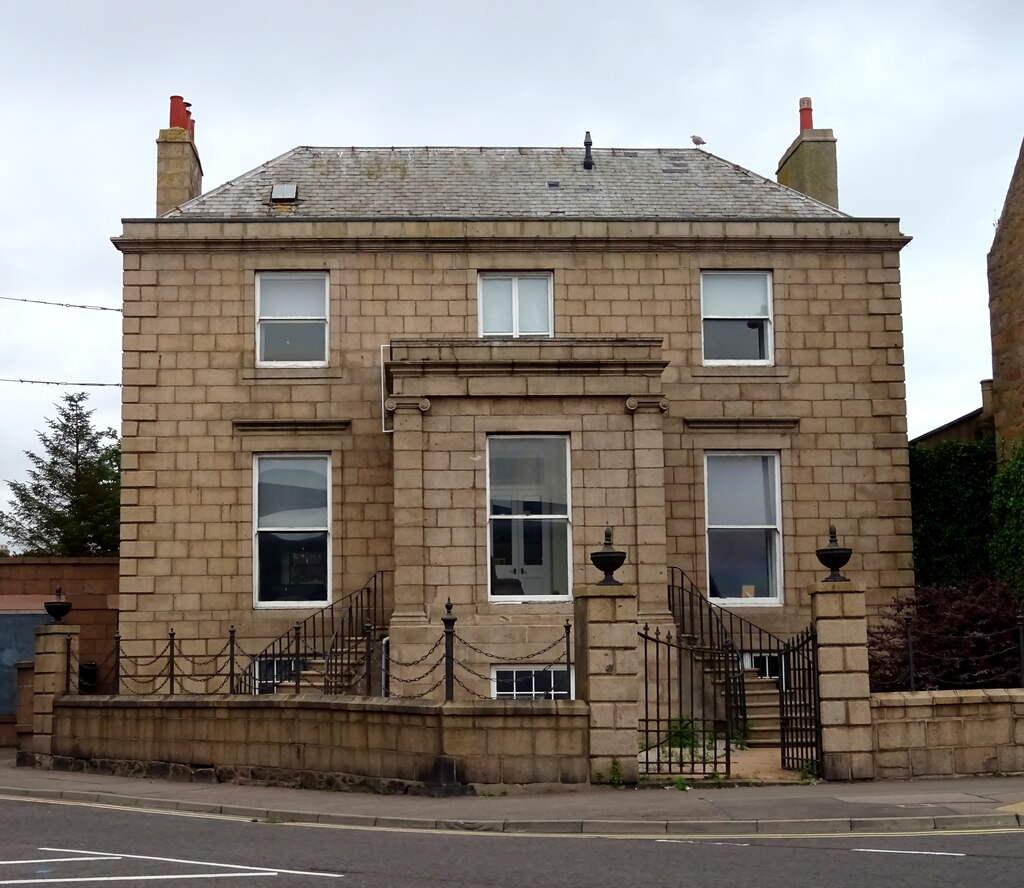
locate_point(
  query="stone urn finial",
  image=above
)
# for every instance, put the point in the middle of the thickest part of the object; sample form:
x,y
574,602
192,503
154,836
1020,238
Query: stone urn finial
x,y
58,608
608,560
834,557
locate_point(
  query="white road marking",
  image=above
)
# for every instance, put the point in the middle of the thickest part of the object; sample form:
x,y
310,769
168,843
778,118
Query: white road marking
x,y
699,842
67,881
891,851
235,866
55,860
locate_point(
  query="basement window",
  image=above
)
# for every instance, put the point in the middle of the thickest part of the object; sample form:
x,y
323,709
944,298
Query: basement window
x,y
531,683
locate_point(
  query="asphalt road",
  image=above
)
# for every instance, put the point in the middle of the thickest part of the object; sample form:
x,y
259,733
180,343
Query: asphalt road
x,y
69,844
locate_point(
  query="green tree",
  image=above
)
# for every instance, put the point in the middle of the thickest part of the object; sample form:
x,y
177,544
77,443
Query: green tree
x,y
1007,546
70,503
951,497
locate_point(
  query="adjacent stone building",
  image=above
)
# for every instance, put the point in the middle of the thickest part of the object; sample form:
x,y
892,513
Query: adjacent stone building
x,y
460,364
1006,311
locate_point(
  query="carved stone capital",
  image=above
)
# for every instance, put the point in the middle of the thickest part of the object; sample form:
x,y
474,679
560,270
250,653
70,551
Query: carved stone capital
x,y
647,403
394,403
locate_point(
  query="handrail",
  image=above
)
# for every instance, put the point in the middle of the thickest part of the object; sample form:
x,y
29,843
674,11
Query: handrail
x,y
314,638
697,615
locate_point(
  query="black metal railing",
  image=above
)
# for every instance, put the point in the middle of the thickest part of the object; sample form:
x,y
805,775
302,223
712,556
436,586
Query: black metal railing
x,y
327,650
905,658
355,662
696,615
799,722
687,718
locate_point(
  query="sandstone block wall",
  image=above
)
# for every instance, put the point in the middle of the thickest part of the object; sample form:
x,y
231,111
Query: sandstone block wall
x,y
488,742
948,733
832,405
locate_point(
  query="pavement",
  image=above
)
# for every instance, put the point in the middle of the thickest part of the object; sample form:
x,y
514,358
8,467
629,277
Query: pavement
x,y
703,809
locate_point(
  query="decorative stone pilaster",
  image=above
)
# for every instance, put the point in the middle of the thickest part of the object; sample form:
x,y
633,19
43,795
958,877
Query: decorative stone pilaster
x,y
605,619
51,680
838,612
648,414
409,550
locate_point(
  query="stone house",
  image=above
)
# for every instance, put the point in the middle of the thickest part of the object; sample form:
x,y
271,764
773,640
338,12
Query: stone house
x,y
1006,311
459,365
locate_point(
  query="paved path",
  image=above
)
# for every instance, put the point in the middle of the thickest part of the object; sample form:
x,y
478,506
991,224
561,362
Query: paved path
x,y
884,806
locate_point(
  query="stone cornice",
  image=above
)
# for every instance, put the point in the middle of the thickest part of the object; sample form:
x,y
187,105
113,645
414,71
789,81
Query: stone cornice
x,y
499,367
840,243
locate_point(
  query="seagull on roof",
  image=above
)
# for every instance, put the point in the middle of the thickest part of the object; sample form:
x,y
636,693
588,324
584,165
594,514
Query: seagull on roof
x,y
697,140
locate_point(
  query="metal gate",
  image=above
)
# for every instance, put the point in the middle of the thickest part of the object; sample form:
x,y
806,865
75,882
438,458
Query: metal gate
x,y
799,717
687,709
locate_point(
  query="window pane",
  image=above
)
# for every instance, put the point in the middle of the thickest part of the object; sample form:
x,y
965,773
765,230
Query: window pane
x,y
292,492
529,557
292,566
735,295
741,489
504,682
534,317
496,306
741,563
292,341
741,340
528,476
290,297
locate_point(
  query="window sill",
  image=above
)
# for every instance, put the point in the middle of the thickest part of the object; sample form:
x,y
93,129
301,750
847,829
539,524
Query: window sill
x,y
754,371
746,602
251,374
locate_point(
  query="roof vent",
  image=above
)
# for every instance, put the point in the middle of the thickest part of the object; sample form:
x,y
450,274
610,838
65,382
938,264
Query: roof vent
x,y
284,193
588,158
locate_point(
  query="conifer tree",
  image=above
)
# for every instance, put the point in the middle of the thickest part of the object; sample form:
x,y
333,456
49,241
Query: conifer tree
x,y
70,504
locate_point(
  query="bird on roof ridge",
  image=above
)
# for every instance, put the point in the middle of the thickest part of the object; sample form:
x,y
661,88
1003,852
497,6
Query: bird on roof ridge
x,y
697,140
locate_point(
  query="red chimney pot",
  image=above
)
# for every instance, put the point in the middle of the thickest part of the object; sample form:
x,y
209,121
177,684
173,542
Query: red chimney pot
x,y
806,113
181,117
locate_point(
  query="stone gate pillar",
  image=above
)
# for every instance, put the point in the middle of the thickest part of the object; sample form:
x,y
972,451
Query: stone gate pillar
x,y
51,680
605,618
839,614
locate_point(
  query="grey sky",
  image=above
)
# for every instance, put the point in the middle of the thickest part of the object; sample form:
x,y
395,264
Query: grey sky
x,y
924,98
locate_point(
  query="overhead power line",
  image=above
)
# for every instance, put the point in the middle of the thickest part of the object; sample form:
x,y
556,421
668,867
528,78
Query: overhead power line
x,y
69,384
60,304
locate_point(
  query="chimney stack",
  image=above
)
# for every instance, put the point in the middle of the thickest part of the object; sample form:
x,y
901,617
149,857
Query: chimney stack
x,y
809,164
179,174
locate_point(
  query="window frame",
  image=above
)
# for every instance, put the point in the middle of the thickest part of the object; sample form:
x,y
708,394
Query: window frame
x,y
260,320
567,518
515,277
534,669
769,321
256,529
777,573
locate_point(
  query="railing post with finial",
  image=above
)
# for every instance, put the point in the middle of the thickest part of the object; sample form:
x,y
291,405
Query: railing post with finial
x,y
368,639
170,661
568,657
231,661
449,621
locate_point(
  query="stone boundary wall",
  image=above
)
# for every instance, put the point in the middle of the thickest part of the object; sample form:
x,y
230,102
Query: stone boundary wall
x,y
948,733
328,742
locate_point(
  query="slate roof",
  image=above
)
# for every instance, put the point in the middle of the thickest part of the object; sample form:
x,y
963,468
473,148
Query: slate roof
x,y
505,183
